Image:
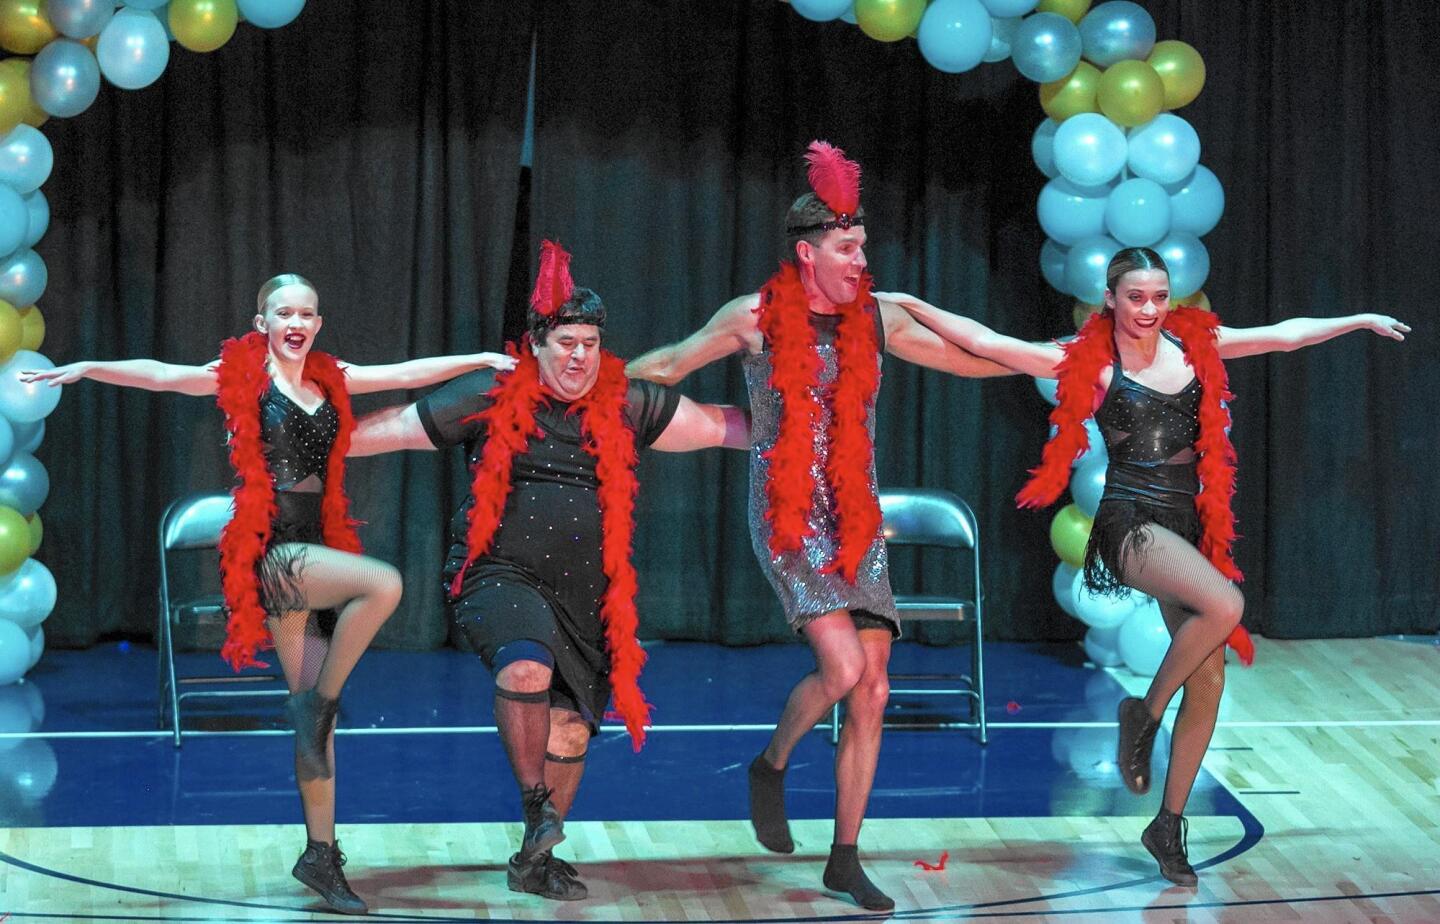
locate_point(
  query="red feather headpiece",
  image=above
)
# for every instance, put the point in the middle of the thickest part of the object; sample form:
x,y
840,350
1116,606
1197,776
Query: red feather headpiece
x,y
836,180
553,285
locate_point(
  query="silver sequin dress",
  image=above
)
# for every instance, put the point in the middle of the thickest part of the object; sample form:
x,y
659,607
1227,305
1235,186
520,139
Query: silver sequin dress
x,y
804,591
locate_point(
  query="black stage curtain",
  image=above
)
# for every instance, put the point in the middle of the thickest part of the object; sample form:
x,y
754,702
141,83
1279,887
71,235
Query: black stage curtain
x,y
374,146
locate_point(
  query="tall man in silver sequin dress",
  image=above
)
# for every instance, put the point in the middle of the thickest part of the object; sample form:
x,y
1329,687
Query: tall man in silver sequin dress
x,y
811,341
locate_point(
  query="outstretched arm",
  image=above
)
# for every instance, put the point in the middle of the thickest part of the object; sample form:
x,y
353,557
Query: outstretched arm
x,y
388,430
915,343
734,327
420,373
1011,355
1302,332
704,426
148,374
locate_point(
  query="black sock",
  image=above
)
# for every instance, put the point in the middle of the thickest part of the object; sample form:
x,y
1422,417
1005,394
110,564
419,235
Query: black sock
x,y
843,874
767,806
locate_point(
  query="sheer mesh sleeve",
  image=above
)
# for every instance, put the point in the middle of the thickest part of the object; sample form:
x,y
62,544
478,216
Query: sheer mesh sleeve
x,y
649,410
443,412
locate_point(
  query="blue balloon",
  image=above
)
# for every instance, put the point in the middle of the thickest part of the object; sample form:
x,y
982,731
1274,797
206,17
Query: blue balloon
x,y
1042,147
134,49
64,78
1143,639
24,484
1085,267
954,35
270,14
26,402
1117,31
1196,202
1166,149
1046,47
1137,214
1062,585
1068,212
1002,37
1087,483
37,218
1052,264
22,278
7,443
849,15
1102,646
1090,149
1047,389
14,220
27,435
822,10
1002,9
79,19
25,159
1188,262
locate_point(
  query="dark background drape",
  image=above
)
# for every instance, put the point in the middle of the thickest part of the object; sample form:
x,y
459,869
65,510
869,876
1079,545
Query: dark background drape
x,y
375,148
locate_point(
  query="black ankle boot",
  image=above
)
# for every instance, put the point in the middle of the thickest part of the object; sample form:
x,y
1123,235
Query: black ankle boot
x,y
313,718
545,875
1165,838
843,874
319,867
543,827
1137,740
767,806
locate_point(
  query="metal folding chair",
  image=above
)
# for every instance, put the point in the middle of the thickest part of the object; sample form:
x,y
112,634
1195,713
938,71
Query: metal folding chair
x,y
191,523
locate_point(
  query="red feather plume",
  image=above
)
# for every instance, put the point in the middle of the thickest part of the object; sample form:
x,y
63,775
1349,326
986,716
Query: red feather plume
x,y
553,285
834,177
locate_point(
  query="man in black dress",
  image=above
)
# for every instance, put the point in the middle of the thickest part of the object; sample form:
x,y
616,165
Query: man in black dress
x,y
534,589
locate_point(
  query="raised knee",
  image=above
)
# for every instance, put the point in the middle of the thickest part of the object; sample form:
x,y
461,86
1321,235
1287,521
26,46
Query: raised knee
x,y
524,677
841,677
388,586
1232,607
569,734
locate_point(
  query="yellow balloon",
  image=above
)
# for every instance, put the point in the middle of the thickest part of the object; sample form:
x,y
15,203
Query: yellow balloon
x,y
888,20
1072,10
24,29
1069,534
1181,69
1130,93
37,532
1071,95
10,331
14,540
34,115
203,25
1198,300
14,97
1082,313
32,328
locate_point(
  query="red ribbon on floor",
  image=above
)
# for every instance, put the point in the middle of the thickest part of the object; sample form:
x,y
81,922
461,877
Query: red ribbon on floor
x,y
932,868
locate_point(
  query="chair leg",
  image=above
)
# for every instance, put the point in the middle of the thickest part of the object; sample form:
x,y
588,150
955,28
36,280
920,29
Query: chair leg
x,y
835,724
977,672
168,646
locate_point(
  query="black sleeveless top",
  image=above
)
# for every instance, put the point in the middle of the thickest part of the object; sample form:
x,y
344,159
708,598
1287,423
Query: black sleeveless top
x,y
297,444
1150,438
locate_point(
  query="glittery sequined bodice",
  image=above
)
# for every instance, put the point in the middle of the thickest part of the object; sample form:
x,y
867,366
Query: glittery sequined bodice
x,y
1150,438
297,444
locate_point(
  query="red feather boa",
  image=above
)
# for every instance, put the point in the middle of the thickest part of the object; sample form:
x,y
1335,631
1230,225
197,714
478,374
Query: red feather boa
x,y
1093,350
509,424
795,372
243,381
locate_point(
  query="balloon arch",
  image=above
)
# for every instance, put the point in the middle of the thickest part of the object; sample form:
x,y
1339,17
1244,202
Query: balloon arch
x,y
1123,171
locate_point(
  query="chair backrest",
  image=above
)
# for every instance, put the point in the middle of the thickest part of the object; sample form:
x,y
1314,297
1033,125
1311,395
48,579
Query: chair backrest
x,y
195,522
928,516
